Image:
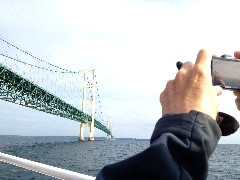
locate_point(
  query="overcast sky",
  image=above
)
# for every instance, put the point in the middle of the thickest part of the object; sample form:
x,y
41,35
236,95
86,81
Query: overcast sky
x,y
133,45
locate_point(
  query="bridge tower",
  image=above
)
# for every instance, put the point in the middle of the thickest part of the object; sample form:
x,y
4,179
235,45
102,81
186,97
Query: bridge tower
x,y
109,126
88,86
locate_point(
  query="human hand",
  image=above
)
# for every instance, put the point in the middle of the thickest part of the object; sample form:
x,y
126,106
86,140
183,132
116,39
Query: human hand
x,y
192,89
237,92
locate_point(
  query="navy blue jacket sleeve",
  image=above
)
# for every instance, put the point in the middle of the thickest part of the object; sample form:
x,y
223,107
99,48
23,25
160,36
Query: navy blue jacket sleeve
x,y
180,147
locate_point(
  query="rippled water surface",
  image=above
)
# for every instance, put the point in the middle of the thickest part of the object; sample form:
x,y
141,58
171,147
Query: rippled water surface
x,y
89,157
225,162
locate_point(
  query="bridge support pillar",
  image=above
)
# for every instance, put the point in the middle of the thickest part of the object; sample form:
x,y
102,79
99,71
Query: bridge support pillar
x,y
109,126
91,136
82,127
88,101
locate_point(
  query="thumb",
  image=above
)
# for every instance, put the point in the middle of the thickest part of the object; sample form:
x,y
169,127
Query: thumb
x,y
204,60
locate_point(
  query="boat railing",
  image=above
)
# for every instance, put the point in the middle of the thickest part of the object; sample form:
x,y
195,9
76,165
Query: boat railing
x,y
43,168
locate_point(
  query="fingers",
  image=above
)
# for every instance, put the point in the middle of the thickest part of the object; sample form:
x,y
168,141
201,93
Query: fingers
x,y
237,101
237,54
185,68
203,61
165,97
192,88
169,87
237,93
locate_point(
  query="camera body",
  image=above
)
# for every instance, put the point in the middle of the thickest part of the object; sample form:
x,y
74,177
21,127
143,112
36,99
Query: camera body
x,y
226,72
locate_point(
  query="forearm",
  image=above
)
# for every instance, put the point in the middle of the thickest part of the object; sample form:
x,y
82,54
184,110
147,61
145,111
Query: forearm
x,y
190,139
180,148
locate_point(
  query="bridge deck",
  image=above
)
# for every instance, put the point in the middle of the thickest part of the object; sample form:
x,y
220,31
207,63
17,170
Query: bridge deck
x,y
16,89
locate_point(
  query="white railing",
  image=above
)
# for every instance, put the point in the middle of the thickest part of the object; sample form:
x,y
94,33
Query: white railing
x,y
43,168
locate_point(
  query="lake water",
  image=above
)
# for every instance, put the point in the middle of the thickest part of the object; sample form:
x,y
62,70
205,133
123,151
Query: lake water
x,y
89,157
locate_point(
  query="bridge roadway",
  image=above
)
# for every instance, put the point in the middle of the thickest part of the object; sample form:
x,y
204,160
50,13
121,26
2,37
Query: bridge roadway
x,y
16,89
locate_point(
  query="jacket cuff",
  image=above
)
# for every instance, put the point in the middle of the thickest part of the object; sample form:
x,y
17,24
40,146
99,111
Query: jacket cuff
x,y
182,125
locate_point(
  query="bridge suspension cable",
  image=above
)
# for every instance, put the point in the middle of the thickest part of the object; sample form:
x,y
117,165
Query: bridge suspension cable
x,y
27,53
32,65
30,81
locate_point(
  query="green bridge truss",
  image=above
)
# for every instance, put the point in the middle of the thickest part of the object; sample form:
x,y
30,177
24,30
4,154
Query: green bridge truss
x,y
16,89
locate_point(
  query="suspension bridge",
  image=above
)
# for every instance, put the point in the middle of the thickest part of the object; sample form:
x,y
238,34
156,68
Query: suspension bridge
x,y
29,81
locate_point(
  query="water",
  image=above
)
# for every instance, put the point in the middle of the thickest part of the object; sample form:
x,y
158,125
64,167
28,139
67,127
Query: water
x,y
89,157
225,162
